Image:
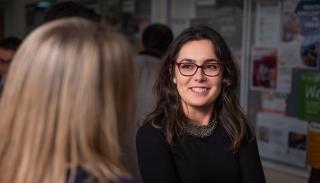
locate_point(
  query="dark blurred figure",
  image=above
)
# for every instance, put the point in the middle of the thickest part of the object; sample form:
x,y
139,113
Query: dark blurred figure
x,y
70,9
8,47
155,40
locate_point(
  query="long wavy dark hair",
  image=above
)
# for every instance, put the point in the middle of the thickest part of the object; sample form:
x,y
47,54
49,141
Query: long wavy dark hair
x,y
168,113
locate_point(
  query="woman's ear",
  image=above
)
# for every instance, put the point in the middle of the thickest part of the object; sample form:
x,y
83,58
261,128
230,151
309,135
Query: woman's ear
x,y
172,75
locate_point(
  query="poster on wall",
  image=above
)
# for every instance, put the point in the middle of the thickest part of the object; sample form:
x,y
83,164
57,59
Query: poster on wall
x,y
264,68
288,58
314,145
273,102
282,138
290,22
299,40
267,25
309,96
301,33
308,12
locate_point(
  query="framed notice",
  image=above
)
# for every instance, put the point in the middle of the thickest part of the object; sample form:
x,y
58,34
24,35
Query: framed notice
x,y
264,68
309,96
282,138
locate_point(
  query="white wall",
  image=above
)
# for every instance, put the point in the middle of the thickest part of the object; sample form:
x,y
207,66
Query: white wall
x,y
159,11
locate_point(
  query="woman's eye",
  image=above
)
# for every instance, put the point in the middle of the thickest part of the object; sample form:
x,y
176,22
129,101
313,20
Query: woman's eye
x,y
187,66
212,66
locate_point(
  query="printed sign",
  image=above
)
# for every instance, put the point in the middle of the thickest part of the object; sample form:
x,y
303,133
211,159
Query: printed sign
x,y
309,96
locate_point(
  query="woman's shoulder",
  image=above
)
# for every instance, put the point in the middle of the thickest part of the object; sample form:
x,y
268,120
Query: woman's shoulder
x,y
83,176
154,126
149,128
150,132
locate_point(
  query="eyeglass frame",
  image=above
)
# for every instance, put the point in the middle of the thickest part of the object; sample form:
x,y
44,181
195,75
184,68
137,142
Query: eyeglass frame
x,y
4,61
201,66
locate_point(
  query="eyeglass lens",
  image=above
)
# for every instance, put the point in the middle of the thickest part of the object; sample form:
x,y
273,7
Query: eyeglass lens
x,y
209,69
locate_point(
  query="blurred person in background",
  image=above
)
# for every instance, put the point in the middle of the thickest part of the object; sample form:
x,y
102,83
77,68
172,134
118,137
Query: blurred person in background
x,y
68,9
156,39
8,47
65,106
197,132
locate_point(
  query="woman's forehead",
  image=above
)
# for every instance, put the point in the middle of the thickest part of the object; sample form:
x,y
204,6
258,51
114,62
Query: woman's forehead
x,y
200,50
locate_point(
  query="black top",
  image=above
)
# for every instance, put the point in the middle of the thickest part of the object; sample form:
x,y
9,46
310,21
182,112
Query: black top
x,y
193,159
83,176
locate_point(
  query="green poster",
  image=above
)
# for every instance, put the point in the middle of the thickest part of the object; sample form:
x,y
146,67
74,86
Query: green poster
x,y
309,96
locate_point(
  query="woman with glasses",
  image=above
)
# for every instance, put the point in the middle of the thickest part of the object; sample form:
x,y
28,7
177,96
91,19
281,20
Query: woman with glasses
x,y
197,132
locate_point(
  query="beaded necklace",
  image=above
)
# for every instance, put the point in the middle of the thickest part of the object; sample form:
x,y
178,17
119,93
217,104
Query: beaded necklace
x,y
200,131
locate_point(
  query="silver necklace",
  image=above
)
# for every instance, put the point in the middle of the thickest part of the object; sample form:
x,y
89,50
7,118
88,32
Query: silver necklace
x,y
201,131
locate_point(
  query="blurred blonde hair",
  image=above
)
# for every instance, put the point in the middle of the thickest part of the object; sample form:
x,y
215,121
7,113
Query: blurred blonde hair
x,y
66,103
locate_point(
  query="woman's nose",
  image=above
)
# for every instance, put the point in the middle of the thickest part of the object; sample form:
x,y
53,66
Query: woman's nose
x,y
199,75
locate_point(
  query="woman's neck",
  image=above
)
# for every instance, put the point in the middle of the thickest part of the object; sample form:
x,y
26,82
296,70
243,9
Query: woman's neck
x,y
198,115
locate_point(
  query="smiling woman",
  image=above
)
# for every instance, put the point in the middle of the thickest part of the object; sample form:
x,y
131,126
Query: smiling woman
x,y
199,89
197,131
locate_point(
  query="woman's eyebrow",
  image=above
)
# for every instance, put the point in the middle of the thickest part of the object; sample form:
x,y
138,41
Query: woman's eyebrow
x,y
205,61
211,60
187,60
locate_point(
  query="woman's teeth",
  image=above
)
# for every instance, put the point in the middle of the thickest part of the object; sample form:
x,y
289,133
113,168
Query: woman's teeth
x,y
199,90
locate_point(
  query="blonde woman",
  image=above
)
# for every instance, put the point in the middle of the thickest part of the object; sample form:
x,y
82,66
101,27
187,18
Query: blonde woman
x,y
60,110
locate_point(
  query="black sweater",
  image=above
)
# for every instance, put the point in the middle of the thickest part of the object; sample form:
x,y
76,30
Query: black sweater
x,y
83,176
196,160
